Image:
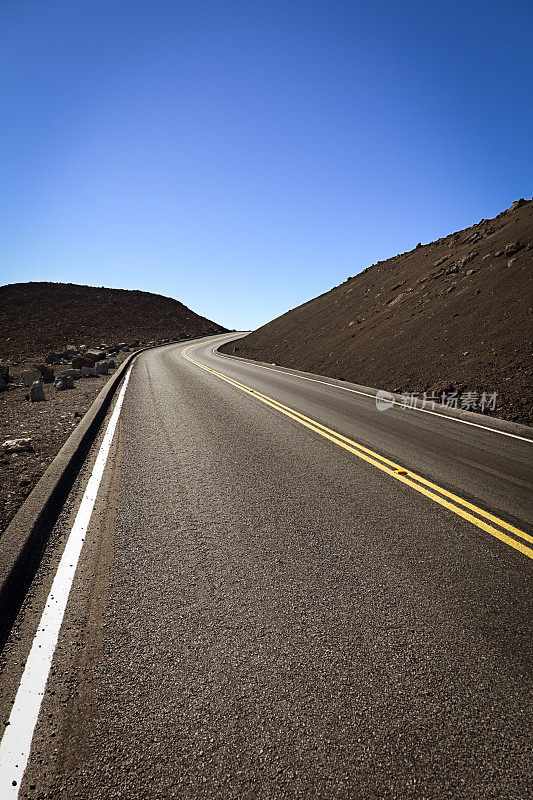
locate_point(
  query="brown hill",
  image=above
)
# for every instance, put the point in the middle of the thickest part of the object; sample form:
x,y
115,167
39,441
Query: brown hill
x,y
35,317
453,313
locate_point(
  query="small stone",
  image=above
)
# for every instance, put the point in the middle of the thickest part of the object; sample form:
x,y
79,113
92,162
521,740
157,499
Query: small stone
x,y
64,382
78,362
17,446
47,373
37,392
96,355
29,376
70,373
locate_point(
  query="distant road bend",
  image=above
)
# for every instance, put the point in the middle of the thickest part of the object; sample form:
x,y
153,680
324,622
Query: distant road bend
x,y
281,592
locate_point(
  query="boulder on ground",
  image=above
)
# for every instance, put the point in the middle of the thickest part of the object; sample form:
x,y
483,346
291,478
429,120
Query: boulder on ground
x,y
96,355
47,373
17,446
70,373
70,351
82,361
93,372
111,363
29,376
37,392
63,382
53,358
102,368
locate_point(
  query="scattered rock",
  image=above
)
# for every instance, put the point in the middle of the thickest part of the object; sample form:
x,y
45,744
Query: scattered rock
x,y
17,446
111,363
37,392
53,358
102,368
82,361
511,262
63,382
513,247
96,355
29,376
47,373
70,373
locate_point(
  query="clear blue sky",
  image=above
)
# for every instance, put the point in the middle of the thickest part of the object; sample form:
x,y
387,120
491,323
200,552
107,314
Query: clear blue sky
x,y
245,156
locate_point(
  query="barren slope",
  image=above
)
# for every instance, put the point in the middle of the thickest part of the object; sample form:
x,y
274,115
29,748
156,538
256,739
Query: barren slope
x,y
453,313
35,317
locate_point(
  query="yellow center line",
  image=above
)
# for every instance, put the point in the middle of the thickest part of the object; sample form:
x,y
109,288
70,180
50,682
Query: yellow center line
x,y
417,482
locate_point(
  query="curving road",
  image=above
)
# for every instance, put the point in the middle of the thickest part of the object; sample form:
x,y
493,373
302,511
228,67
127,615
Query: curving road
x,y
285,593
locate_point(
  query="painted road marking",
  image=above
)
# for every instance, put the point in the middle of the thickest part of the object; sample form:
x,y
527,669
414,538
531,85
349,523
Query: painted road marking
x,y
216,352
16,742
463,508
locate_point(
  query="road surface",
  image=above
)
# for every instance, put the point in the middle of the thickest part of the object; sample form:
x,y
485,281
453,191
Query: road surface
x,y
282,592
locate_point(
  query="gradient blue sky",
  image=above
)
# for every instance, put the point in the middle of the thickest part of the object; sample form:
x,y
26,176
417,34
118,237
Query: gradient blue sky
x,y
244,157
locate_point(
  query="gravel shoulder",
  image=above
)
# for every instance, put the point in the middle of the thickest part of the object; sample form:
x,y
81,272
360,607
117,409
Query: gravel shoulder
x,y
48,424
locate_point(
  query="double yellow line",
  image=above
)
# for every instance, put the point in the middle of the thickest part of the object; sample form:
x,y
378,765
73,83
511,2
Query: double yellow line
x,y
477,516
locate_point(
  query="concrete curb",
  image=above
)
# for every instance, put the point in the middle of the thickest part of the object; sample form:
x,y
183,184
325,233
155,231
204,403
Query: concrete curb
x,y
24,540
484,420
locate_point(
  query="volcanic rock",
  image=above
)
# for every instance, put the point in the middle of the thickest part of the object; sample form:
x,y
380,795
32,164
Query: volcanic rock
x,y
37,392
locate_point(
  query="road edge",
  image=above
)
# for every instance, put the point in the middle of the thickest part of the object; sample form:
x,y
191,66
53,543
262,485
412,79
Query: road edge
x,y
24,540
482,420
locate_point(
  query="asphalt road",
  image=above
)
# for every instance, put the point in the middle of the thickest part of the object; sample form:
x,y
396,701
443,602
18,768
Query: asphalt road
x,y
261,612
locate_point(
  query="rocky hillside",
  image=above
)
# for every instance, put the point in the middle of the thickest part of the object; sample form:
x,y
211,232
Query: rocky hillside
x,y
452,315
36,317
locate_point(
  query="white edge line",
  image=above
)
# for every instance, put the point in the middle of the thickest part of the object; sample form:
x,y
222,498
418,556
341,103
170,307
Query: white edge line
x,y
16,742
366,394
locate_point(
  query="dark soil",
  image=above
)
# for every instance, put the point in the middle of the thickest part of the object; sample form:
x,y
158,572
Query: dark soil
x,y
35,317
451,315
48,424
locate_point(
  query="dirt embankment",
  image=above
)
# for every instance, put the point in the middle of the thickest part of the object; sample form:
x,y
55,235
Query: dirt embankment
x,y
452,316
35,317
